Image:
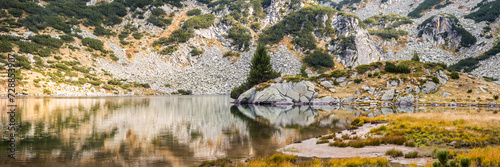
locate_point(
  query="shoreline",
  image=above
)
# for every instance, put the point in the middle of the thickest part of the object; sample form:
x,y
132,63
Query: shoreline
x,y
310,149
279,104
376,104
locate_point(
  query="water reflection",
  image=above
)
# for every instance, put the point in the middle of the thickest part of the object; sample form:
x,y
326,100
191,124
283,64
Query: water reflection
x,y
161,131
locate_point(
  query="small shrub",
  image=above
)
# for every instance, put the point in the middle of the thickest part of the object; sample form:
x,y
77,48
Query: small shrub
x,y
195,51
412,154
194,12
231,54
495,97
184,92
435,79
255,26
469,91
358,80
93,43
321,141
319,59
338,144
114,58
394,153
453,163
392,68
110,88
465,162
415,57
410,143
454,75
303,72
200,21
47,92
442,156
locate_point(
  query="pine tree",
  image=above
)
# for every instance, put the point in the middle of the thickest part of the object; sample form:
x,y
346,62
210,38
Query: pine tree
x,y
261,70
415,57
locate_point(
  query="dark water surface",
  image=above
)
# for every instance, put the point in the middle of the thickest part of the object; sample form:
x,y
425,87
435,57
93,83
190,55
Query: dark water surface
x,y
161,130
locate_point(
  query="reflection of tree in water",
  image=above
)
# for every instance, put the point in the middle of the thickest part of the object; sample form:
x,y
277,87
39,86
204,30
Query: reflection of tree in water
x,y
258,130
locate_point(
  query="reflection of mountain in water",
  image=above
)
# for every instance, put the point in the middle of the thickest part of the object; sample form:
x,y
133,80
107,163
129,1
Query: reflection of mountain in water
x,y
320,116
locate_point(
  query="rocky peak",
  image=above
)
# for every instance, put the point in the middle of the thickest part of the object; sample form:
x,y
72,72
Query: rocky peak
x,y
443,30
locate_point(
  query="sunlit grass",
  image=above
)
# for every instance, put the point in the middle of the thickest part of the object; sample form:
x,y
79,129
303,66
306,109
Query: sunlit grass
x,y
466,128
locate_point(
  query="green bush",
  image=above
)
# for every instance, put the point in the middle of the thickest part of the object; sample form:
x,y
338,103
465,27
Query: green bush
x,y
5,46
255,26
442,156
394,153
178,36
137,35
465,162
412,154
184,92
194,12
415,57
67,38
159,21
114,82
93,43
454,75
241,36
15,12
469,91
358,80
110,88
390,67
28,47
303,72
388,33
495,97
231,54
47,40
200,21
157,12
196,52
319,60
22,62
100,31
114,58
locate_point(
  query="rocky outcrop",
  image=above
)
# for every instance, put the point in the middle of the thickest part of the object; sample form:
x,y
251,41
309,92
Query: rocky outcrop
x,y
281,93
441,29
365,50
430,87
388,95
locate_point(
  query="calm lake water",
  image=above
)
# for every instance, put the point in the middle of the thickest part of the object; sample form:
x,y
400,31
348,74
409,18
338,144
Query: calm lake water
x,y
161,130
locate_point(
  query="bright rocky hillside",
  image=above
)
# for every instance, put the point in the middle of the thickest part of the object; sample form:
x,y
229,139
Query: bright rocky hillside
x,y
127,47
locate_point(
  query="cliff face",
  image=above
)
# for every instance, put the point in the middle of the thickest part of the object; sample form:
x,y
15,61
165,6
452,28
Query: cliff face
x,y
216,58
442,31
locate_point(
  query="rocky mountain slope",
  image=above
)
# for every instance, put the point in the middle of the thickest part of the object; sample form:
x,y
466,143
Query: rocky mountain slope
x,y
103,47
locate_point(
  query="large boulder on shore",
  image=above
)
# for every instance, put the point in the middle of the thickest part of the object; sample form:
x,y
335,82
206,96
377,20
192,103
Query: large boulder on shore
x,y
388,95
430,87
281,93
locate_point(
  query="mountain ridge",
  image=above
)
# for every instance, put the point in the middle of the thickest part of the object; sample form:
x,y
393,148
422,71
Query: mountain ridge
x,y
131,63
